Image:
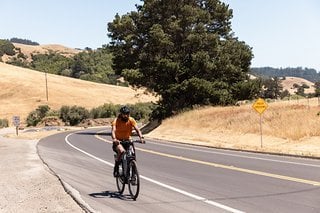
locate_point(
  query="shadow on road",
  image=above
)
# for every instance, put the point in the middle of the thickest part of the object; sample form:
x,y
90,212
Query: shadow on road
x,y
94,133
110,194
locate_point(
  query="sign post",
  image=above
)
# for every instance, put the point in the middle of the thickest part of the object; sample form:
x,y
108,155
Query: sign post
x,y
260,106
16,122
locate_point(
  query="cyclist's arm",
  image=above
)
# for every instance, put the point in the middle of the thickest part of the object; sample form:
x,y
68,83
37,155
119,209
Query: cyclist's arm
x,y
113,133
139,133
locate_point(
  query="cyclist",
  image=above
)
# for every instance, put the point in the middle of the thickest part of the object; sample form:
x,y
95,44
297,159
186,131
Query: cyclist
x,y
121,130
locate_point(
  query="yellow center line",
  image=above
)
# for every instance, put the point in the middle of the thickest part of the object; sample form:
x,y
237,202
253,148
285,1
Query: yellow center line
x,y
282,177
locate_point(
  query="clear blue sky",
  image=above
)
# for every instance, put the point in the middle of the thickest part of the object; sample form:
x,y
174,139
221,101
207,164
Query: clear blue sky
x,y
282,33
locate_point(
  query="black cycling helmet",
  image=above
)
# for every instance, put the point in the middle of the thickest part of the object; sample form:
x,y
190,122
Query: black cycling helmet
x,y
125,110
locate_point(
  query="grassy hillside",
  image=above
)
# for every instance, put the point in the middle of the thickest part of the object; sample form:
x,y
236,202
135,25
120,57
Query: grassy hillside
x,y
291,127
23,90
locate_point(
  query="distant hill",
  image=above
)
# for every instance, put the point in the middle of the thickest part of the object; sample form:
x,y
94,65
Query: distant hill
x,y
306,73
23,90
91,65
43,49
289,82
27,50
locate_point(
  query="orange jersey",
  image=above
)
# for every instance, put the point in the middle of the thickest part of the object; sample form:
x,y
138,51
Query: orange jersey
x,y
123,129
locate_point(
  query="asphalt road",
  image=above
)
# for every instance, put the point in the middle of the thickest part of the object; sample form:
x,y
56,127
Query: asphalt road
x,y
183,178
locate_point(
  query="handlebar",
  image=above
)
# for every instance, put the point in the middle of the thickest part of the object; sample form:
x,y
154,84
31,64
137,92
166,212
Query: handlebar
x,y
132,141
138,141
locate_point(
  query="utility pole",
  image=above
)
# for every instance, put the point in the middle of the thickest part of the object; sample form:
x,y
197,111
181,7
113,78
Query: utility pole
x,y
47,87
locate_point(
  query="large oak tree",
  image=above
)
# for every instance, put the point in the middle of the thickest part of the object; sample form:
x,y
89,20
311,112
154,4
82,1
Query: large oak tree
x,y
184,50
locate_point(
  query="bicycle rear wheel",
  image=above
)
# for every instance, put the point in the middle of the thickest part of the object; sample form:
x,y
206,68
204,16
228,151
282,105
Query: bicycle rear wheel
x,y
120,180
133,180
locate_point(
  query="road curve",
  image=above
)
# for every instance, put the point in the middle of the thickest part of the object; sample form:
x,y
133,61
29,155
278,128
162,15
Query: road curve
x,y
183,178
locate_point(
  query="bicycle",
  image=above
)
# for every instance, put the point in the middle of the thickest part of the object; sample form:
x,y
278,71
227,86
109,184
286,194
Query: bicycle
x,y
128,170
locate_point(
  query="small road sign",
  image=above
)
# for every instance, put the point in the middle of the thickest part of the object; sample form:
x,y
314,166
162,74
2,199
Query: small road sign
x,y
260,105
16,120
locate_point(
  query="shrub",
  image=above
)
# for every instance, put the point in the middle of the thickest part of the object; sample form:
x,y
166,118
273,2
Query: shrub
x,y
94,113
4,123
139,111
21,55
37,115
53,113
104,111
33,119
18,62
73,115
305,86
64,111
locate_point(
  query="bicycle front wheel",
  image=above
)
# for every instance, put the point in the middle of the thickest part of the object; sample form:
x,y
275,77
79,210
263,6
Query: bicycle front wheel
x,y
133,180
120,179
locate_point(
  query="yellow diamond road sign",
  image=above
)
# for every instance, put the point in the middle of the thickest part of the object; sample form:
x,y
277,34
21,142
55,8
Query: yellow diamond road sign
x,y
260,105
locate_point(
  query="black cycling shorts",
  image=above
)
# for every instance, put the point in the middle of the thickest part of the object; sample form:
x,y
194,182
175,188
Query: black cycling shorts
x,y
125,145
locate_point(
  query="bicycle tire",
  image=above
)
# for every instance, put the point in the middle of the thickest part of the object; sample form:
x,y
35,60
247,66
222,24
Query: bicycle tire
x,y
120,180
133,180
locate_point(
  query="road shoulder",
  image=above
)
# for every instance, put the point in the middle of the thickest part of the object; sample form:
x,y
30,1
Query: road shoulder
x,y
28,185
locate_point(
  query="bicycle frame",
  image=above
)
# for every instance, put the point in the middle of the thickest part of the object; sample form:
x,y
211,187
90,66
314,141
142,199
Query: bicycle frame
x,y
129,155
129,174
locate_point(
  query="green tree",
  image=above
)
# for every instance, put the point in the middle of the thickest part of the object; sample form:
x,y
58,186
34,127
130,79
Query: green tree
x,y
53,63
317,87
23,41
248,89
284,94
300,91
185,51
94,65
272,88
6,47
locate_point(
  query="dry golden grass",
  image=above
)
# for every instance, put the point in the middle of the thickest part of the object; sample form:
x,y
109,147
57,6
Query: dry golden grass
x,y
287,127
23,90
43,49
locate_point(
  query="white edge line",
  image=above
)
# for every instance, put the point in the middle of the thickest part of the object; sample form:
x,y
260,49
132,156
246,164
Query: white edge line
x,y
196,197
90,155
